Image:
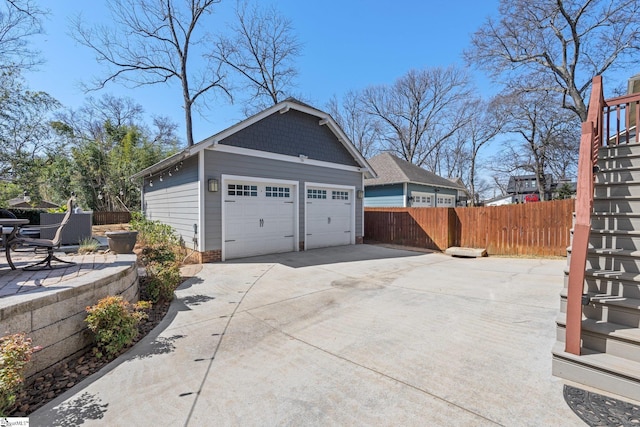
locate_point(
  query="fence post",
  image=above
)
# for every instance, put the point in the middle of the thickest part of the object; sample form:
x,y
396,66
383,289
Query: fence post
x,y
452,227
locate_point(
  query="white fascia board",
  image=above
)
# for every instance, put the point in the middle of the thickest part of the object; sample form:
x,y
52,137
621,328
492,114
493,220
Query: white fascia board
x,y
202,193
434,185
281,157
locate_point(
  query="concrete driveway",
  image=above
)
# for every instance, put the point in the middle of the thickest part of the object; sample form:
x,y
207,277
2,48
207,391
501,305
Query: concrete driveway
x,y
356,335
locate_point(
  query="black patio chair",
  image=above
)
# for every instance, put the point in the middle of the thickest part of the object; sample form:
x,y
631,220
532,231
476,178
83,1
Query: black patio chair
x,y
6,230
48,244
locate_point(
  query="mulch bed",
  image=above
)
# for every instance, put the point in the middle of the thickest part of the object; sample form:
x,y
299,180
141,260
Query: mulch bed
x,y
39,390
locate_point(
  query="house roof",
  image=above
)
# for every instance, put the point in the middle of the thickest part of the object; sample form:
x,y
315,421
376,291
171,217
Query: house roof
x,y
21,203
282,108
393,170
514,186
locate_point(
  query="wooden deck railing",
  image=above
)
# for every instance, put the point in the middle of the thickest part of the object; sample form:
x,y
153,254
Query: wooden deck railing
x,y
609,122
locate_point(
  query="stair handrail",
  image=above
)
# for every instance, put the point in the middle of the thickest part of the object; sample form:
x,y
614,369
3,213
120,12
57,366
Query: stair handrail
x,y
590,142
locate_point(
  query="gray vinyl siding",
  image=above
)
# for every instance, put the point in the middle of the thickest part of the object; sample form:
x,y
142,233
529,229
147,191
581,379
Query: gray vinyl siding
x,y
218,163
391,195
293,133
174,200
432,189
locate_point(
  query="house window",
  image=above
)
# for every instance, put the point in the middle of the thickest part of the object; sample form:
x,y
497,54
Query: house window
x,y
277,192
316,194
242,190
340,195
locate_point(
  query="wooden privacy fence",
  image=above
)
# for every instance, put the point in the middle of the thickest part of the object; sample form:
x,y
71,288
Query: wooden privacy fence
x,y
104,218
526,229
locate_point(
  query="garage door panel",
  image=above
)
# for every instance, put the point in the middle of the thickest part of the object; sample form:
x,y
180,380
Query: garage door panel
x,y
259,219
329,217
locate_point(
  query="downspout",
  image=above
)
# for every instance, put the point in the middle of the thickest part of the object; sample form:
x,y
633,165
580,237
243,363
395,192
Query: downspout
x,y
405,195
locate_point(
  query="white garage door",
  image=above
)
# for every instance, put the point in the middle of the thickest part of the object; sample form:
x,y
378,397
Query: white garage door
x,y
259,218
329,217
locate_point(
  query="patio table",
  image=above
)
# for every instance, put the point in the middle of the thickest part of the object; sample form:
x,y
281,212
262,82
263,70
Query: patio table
x,y
9,229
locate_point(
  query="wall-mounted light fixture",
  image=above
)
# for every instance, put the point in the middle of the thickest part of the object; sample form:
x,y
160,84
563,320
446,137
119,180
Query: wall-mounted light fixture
x,y
212,185
360,194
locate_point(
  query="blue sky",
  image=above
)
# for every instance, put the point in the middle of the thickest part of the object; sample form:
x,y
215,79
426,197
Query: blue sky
x,y
348,44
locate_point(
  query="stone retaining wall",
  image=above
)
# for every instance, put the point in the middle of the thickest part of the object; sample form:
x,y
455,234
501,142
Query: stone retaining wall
x,y
54,317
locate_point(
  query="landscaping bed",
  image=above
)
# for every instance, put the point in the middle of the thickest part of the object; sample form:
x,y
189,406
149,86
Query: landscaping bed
x,y
41,389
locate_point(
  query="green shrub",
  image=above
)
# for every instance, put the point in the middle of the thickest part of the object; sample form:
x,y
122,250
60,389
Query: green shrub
x,y
153,233
114,322
15,353
162,281
160,256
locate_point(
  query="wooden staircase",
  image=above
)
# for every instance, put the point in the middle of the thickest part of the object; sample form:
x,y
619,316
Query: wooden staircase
x,y
609,356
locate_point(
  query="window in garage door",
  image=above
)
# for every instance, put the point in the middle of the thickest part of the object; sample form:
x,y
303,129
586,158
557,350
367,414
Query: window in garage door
x,y
259,219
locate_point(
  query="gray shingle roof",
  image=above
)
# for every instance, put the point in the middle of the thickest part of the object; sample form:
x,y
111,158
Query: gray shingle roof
x,y
393,170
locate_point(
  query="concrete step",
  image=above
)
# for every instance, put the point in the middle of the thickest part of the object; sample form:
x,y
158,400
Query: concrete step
x,y
614,239
617,204
617,189
605,337
619,284
615,221
621,150
619,162
614,309
616,175
623,260
600,370
608,308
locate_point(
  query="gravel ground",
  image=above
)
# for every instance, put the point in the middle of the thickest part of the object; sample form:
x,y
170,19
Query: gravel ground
x,y
41,389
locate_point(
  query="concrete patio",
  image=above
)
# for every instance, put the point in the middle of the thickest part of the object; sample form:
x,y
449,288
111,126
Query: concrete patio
x,y
49,305
357,335
18,282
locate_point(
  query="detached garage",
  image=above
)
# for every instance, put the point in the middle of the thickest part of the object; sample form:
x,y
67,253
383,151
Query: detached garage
x,y
283,180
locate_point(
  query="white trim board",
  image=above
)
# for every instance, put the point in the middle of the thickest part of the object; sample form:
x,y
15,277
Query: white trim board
x,y
282,157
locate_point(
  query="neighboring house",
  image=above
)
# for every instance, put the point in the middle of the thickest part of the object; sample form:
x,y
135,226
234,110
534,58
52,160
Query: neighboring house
x,y
500,200
25,203
285,179
463,192
403,184
522,186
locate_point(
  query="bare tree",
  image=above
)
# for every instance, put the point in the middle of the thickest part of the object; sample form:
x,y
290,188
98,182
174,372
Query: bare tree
x,y
563,43
19,20
420,112
363,130
544,136
152,41
262,49
98,118
486,120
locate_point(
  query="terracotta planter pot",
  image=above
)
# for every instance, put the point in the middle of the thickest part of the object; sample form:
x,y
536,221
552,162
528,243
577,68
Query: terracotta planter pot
x,y
121,242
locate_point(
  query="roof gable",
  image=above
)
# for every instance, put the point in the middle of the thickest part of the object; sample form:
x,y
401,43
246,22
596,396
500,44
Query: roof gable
x,y
293,133
347,154
393,170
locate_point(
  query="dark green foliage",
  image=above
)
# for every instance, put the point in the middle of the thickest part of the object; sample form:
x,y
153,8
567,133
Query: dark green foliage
x,y
160,256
